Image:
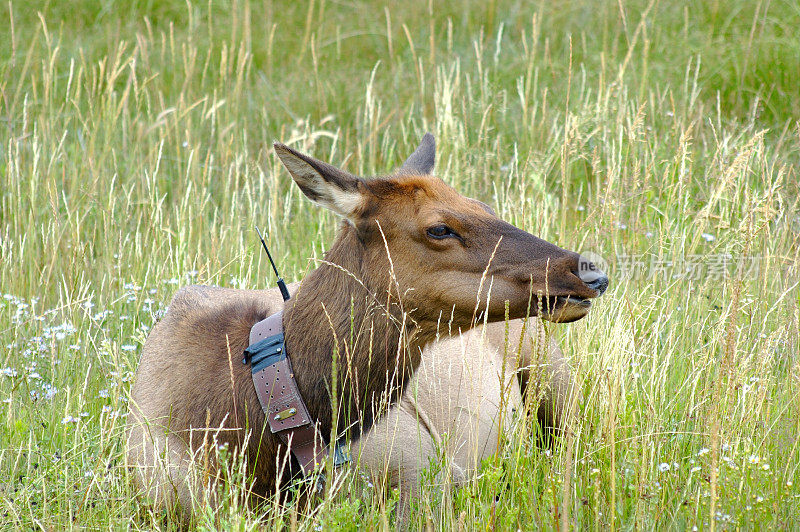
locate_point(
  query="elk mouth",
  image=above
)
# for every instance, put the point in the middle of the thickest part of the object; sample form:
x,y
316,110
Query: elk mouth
x,y
574,300
565,309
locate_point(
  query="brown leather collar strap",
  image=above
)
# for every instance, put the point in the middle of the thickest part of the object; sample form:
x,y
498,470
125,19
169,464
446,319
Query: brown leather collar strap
x,y
286,412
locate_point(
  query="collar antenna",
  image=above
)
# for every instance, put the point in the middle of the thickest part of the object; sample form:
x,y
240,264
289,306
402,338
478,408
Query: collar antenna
x,y
281,283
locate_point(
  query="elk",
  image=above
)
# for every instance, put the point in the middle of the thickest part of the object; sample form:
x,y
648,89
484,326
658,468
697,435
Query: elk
x,y
411,254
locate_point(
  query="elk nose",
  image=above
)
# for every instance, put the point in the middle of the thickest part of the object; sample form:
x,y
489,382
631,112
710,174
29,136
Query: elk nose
x,y
592,276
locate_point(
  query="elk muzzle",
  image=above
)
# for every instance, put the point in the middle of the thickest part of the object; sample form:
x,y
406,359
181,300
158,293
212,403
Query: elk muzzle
x,y
563,309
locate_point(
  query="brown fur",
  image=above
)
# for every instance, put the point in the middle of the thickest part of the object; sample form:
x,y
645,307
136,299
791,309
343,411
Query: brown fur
x,y
379,298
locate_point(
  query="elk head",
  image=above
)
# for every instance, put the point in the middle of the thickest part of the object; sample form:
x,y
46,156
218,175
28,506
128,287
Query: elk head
x,y
447,255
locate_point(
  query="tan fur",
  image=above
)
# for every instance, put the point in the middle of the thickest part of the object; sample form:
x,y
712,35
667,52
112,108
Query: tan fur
x,y
465,393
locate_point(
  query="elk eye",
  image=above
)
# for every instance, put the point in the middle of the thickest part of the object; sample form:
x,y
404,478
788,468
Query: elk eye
x,y
441,231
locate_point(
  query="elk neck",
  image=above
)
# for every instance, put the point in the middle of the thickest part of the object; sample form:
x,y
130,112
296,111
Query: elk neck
x,y
343,306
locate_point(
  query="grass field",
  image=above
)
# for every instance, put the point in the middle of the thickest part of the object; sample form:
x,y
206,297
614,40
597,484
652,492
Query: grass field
x,y
663,136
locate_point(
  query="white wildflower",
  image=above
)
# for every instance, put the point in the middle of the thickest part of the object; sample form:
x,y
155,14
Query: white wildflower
x,y
49,390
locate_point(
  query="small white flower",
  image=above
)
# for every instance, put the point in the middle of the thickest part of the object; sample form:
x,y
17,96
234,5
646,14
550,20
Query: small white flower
x,y
789,484
580,208
695,469
663,467
107,409
128,347
102,315
759,499
103,393
69,419
49,390
765,467
725,447
708,237
8,372
754,459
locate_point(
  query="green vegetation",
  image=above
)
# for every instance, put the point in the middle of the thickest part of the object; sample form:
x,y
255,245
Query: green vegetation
x,y
136,158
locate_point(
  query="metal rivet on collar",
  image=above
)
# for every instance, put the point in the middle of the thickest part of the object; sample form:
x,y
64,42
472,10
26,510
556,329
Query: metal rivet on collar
x,y
289,412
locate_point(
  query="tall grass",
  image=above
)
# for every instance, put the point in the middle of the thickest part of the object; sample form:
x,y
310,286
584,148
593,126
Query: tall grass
x,y
662,136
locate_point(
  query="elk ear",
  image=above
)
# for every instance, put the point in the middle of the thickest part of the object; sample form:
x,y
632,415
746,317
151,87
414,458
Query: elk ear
x,y
422,160
321,182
